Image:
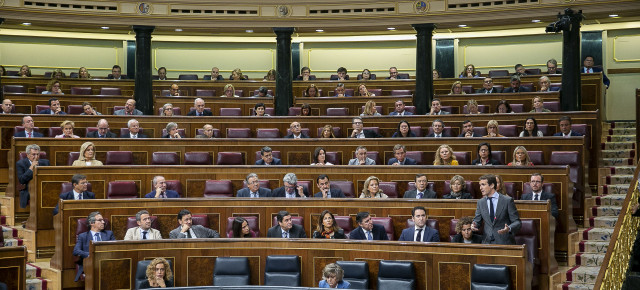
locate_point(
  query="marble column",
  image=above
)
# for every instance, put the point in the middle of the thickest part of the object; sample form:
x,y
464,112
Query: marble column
x,y
283,98
144,88
424,65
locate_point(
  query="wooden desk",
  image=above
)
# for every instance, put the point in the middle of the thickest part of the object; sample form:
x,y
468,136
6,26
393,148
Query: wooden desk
x,y
437,265
13,262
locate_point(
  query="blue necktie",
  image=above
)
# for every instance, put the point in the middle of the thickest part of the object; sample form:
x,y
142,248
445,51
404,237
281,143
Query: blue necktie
x,y
144,235
97,237
420,195
492,213
369,236
418,236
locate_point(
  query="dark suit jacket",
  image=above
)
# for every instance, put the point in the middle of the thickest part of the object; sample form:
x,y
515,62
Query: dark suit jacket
x,y
442,112
24,134
484,91
311,78
335,193
169,193
475,239
429,235
280,192
491,161
336,235
595,69
414,194
378,233
443,135
69,196
474,135
397,135
335,77
94,134
407,161
545,196
296,231
122,77
520,90
505,213
406,113
204,113
465,195
573,133
370,134
262,192
82,247
140,136
302,135
275,161
48,112
24,176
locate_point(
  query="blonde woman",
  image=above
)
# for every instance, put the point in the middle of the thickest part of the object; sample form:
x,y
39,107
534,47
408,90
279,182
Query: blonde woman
x,y
67,130
363,92
229,91
236,75
520,157
444,156
456,88
538,105
159,275
83,73
370,109
492,129
458,189
472,106
87,156
372,189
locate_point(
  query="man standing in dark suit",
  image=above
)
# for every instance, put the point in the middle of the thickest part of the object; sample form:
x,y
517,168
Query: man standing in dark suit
x,y
498,213
565,128
253,189
438,128
291,189
29,132
25,171
537,193
96,233
400,109
421,189
367,230
359,132
467,130
325,188
487,87
296,131
286,228
515,86
134,130
103,131
420,232
400,153
79,192
199,111
187,230
589,68
54,108
267,157
160,185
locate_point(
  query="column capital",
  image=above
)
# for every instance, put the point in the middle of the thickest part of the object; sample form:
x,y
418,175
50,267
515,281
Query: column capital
x,y
423,27
283,30
143,29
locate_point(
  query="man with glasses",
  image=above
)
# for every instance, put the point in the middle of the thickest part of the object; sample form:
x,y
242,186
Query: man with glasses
x,y
367,230
143,231
436,108
160,189
79,191
421,190
537,193
103,131
360,132
296,131
552,67
253,189
487,87
291,188
96,233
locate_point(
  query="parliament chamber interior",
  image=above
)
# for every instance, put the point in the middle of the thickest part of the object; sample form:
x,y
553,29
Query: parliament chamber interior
x,y
406,132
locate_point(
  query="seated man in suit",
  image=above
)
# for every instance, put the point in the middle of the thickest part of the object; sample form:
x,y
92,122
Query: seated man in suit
x,y
162,74
420,232
589,68
129,109
520,70
436,108
400,153
487,87
537,193
285,227
552,67
79,192
187,230
207,132
515,86
199,111
143,231
340,91
361,157
263,92
359,132
367,230
267,158
29,132
160,185
215,74
291,189
134,130
305,75
116,73
253,189
96,233
7,106
421,189
467,130
393,73
438,128
54,108
341,74
25,171
464,232
565,128
400,111
296,131
103,131
497,212
325,188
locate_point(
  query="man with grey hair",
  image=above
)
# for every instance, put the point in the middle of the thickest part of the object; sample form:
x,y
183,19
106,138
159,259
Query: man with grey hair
x,y
134,130
199,111
103,131
29,129
143,231
253,189
400,153
160,189
129,109
207,132
96,233
172,131
291,188
25,171
266,155
515,86
361,157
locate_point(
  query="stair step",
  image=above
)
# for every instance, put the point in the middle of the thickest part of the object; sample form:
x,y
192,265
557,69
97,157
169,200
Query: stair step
x,y
590,259
622,131
13,242
37,284
614,189
622,124
598,234
603,221
611,199
606,210
583,274
33,271
621,138
9,232
587,246
617,145
618,153
618,179
623,170
617,161
577,286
